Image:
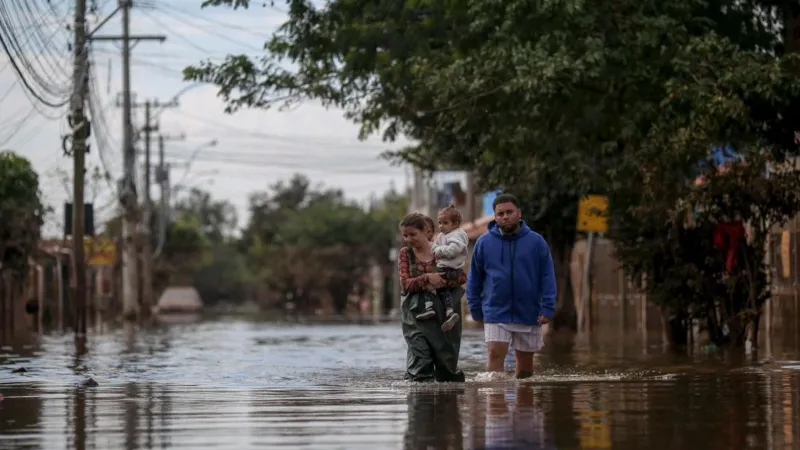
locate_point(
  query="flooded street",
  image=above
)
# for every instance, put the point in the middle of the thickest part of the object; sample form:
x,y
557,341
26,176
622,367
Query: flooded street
x,y
233,384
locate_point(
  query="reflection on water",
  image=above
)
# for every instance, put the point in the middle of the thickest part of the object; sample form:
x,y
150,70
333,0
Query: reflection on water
x,y
237,385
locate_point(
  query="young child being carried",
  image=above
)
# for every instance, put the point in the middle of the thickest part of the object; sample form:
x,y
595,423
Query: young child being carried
x,y
450,251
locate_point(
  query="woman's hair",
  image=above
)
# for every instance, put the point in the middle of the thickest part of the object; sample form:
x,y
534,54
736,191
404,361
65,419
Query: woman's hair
x,y
430,223
415,220
451,212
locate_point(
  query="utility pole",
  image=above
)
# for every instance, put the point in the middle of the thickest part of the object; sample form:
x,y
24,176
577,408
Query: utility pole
x,y
80,132
130,300
162,178
128,197
147,217
147,249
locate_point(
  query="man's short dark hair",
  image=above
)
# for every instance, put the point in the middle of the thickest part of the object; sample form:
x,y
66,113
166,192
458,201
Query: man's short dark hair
x,y
505,198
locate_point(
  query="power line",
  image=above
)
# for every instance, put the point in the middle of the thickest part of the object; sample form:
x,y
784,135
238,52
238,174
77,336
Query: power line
x,y
264,164
324,140
167,12
272,154
217,23
19,60
186,40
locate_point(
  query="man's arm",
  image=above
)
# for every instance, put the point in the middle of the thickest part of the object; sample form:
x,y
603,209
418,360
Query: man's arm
x,y
454,244
477,275
547,280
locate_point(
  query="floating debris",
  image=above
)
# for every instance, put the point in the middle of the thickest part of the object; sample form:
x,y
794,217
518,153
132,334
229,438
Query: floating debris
x,y
89,382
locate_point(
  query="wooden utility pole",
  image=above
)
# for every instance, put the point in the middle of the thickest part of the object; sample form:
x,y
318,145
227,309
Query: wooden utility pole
x,y
128,197
80,130
79,125
150,126
147,249
162,178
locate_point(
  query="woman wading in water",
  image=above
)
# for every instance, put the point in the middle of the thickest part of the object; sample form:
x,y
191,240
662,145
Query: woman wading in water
x,y
432,353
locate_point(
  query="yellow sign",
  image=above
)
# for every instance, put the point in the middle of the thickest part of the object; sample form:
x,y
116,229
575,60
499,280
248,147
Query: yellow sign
x,y
100,251
593,214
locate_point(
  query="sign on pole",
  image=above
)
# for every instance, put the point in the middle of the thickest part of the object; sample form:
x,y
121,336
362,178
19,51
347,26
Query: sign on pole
x,y
100,251
593,214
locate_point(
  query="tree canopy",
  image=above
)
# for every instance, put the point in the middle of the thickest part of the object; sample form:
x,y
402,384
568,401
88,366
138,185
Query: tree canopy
x,y
216,219
504,87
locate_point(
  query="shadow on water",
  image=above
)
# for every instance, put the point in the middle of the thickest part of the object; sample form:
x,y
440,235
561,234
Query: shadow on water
x,y
226,383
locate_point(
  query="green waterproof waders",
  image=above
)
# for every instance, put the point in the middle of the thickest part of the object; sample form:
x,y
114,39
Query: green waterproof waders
x,y
432,353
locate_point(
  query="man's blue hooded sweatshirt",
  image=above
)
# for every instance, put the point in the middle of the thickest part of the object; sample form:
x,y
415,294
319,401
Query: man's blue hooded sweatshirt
x,y
511,278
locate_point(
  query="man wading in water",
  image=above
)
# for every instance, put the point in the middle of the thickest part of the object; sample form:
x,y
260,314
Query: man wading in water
x,y
511,287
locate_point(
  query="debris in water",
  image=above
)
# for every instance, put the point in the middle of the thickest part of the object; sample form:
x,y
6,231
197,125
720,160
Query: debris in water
x,y
89,382
19,370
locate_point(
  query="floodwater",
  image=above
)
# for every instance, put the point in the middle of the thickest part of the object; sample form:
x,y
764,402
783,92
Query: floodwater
x,y
235,384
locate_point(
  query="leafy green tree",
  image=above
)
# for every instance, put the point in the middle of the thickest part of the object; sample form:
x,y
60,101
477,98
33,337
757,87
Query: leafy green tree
x,y
200,249
312,246
221,273
268,209
186,250
217,219
22,214
224,276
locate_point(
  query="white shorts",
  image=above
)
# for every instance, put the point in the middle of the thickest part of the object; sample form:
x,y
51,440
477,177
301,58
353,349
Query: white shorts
x,y
524,341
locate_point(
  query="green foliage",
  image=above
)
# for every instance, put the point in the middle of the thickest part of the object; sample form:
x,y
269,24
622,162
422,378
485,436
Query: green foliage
x,y
663,223
216,219
669,249
21,211
301,244
187,249
224,276
312,246
200,248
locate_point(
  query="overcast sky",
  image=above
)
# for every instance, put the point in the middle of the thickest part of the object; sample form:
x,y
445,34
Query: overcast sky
x,y
255,148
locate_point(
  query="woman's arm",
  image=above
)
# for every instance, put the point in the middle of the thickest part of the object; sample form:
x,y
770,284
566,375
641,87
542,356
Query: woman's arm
x,y
409,283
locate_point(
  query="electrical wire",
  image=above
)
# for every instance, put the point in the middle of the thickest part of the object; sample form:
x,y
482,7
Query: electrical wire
x,y
34,69
287,165
100,127
170,12
322,141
